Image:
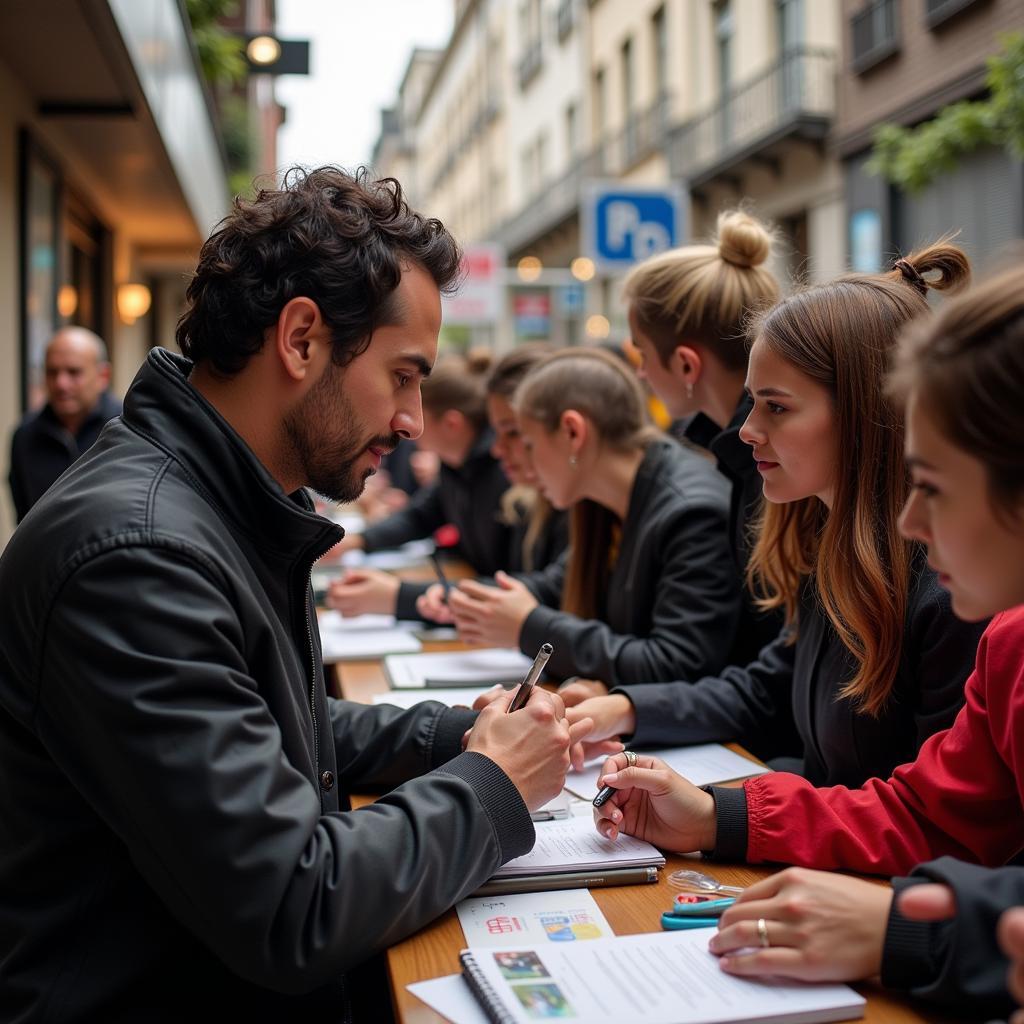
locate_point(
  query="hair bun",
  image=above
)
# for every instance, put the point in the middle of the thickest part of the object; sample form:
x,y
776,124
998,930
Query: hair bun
x,y
742,239
941,266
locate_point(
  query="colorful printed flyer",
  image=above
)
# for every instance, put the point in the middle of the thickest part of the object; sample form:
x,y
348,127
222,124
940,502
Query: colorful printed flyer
x,y
569,915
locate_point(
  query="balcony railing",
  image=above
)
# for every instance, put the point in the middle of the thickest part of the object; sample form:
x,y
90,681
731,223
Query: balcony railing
x,y
796,96
938,11
875,33
559,199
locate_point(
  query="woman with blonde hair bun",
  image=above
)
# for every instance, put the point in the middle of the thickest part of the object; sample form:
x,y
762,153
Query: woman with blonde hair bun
x,y
687,311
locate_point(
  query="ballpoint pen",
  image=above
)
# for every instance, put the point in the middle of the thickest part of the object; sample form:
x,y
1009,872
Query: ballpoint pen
x,y
441,578
523,695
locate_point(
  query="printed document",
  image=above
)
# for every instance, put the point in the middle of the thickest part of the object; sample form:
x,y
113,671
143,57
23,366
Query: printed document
x,y
482,667
701,764
537,918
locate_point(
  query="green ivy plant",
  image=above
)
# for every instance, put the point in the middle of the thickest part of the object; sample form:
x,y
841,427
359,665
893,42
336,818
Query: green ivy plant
x,y
912,158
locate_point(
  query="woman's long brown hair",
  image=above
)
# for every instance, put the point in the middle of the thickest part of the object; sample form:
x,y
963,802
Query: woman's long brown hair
x,y
604,390
842,335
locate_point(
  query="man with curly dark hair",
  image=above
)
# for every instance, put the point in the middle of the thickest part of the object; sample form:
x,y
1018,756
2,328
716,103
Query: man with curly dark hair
x,y
177,837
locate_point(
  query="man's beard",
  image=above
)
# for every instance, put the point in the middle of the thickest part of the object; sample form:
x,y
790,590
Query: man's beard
x,y
325,451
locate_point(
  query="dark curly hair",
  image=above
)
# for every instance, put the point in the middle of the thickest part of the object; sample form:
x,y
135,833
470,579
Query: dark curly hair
x,y
339,239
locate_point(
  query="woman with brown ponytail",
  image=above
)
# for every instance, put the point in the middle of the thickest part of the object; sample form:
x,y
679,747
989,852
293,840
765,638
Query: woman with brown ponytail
x,y
871,661
647,590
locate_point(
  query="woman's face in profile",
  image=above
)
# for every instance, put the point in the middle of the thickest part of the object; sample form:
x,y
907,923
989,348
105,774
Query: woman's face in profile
x,y
791,430
549,454
976,548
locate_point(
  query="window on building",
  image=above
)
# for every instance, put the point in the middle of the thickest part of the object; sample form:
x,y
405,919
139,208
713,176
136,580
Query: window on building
x,y
600,104
659,38
572,131
724,28
628,96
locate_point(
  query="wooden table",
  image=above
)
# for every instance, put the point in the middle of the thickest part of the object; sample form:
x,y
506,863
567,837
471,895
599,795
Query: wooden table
x,y
433,951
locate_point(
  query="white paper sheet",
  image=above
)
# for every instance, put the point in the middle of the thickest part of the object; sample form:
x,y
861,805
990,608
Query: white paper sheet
x,y
575,845
451,997
569,915
657,978
481,667
365,636
701,764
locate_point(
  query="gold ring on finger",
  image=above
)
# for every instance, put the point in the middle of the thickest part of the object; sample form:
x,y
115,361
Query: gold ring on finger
x,y
762,932
631,758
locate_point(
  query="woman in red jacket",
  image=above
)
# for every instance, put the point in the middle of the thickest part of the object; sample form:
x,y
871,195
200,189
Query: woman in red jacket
x,y
963,797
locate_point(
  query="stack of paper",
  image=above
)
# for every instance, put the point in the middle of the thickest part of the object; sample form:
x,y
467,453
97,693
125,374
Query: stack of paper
x,y
365,636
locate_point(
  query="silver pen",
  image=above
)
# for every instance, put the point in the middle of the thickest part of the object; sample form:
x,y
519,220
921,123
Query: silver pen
x,y
531,678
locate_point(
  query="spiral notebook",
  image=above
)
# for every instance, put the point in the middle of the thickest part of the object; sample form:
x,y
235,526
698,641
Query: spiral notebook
x,y
659,978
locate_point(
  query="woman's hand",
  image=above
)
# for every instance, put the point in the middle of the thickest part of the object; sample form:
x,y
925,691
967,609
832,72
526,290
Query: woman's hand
x,y
613,716
364,592
491,616
820,926
575,690
655,803
433,607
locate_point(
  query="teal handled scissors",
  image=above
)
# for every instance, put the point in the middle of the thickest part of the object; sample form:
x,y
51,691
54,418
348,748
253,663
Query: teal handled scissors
x,y
704,914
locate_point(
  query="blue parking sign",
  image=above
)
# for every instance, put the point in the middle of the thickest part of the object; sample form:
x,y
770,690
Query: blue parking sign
x,y
623,225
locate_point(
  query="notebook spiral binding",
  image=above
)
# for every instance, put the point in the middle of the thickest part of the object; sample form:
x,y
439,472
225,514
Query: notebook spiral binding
x,y
484,991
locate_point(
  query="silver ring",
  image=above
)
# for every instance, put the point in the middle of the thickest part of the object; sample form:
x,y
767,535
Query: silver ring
x,y
631,758
762,932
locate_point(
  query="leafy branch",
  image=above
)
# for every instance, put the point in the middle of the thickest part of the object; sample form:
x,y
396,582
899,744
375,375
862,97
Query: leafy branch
x,y
912,158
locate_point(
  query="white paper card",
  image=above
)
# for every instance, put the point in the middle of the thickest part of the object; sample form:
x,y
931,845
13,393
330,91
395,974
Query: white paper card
x,y
365,636
539,918
701,764
445,669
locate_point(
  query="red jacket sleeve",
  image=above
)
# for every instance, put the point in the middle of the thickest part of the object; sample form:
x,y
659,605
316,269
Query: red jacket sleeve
x,y
962,796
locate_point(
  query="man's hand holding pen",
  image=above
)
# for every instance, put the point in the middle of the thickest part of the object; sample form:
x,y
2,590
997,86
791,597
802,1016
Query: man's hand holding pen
x,y
531,745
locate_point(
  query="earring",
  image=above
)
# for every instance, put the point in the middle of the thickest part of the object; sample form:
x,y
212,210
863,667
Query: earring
x,y
573,461
689,389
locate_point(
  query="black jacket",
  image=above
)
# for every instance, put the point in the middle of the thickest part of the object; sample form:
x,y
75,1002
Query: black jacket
x,y
671,603
787,699
173,777
956,963
42,448
736,462
470,498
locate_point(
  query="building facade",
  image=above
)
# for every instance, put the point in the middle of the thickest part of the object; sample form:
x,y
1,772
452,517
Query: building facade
x,y
903,60
534,101
111,175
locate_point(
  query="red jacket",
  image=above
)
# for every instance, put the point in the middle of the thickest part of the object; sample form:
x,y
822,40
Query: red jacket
x,y
963,796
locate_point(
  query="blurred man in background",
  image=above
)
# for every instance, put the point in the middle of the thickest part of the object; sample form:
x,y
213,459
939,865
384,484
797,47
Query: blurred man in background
x,y
78,405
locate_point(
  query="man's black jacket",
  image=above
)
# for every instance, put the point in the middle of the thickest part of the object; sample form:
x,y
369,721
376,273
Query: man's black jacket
x,y
42,449
173,777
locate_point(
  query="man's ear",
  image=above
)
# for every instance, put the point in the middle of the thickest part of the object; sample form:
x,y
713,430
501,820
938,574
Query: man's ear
x,y
299,337
104,375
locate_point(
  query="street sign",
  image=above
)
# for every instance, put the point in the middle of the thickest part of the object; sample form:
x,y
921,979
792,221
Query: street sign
x,y
480,299
571,299
624,224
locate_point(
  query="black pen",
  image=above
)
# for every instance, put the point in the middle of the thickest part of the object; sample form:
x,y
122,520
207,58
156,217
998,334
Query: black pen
x,y
531,678
441,578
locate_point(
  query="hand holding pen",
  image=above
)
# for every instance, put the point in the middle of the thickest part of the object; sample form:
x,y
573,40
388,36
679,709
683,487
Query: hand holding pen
x,y
532,745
